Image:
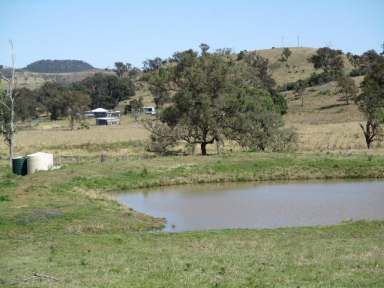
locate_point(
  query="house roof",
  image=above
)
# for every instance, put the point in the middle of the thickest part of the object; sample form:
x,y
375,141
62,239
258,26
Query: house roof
x,y
97,110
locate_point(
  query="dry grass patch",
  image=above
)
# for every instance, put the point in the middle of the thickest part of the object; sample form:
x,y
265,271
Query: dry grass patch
x,y
325,137
299,67
56,138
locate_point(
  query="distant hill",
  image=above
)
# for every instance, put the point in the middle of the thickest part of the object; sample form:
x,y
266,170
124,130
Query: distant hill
x,y
34,80
58,66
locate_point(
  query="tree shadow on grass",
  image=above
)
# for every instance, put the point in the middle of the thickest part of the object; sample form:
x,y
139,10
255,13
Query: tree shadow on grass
x,y
332,106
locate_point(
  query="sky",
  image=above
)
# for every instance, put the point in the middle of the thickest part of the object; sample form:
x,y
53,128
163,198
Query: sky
x,y
103,32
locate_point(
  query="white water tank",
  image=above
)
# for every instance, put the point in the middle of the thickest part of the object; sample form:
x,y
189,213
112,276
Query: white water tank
x,y
39,161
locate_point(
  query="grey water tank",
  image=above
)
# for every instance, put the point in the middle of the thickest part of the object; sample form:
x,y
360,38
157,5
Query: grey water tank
x,y
39,162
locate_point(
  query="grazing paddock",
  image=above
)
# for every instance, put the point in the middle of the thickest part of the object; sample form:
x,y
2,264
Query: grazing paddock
x,y
329,137
56,137
325,123
96,134
131,137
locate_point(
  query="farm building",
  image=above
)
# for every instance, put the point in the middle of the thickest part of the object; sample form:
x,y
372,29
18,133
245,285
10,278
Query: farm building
x,y
100,112
104,116
150,110
108,121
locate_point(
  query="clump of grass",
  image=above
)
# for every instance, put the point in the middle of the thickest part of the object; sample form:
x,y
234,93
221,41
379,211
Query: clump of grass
x,y
96,147
36,216
144,172
116,270
4,198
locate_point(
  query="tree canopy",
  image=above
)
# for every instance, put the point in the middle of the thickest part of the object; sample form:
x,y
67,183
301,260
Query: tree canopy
x,y
367,60
347,88
371,100
51,97
328,59
285,54
26,105
212,97
125,70
76,103
106,90
157,78
63,101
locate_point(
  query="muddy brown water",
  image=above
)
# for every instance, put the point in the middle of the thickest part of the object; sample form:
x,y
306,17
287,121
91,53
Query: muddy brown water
x,y
251,205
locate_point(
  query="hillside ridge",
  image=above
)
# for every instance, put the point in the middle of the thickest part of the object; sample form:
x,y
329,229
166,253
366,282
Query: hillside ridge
x,y
58,66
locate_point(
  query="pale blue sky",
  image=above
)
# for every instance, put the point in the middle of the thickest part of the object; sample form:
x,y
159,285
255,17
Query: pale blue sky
x,y
102,32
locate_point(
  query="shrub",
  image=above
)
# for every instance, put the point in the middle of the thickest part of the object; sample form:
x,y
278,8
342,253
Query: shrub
x,y
162,137
284,140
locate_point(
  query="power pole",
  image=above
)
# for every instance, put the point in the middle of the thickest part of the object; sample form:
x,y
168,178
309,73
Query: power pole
x,y
382,47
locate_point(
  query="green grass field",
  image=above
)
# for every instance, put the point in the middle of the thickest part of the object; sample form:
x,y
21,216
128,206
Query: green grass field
x,y
61,229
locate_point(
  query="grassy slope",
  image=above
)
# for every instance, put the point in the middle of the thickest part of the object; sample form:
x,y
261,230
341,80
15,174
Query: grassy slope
x,y
326,123
60,223
299,67
323,104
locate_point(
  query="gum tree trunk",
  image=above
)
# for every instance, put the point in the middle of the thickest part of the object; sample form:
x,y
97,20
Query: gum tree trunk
x,y
203,148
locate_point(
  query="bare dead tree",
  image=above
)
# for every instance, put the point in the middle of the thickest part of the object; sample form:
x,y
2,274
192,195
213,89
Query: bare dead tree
x,y
371,130
299,91
8,127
